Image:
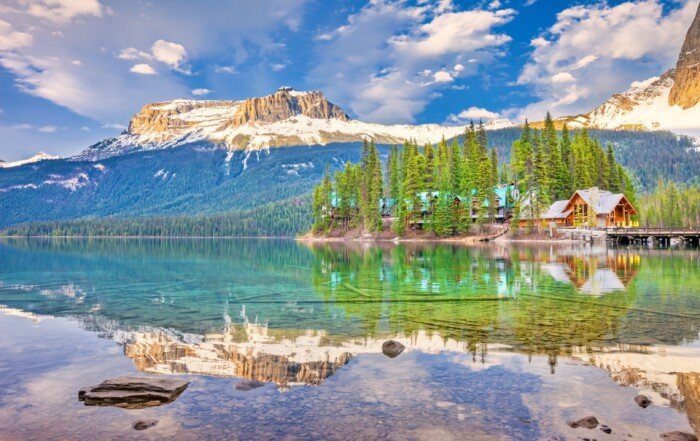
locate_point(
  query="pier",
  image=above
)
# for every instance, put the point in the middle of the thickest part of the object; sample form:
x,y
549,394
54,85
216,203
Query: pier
x,y
658,236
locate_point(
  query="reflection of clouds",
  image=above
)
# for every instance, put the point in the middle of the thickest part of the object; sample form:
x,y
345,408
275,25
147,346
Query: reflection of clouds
x,y
70,291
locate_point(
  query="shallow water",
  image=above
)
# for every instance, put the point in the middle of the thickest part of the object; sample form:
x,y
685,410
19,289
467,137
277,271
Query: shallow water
x,y
501,342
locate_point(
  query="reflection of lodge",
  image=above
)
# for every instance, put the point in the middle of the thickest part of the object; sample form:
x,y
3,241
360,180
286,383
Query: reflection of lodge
x,y
596,276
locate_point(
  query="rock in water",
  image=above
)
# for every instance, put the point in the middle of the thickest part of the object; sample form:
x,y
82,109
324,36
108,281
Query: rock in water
x,y
133,392
144,424
605,429
247,385
392,348
678,436
589,422
642,400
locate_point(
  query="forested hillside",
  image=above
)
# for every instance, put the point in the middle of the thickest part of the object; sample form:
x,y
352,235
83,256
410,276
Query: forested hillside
x,y
285,218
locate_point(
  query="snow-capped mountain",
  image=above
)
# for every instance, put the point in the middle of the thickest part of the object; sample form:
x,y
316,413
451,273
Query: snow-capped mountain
x,y
284,118
670,102
41,156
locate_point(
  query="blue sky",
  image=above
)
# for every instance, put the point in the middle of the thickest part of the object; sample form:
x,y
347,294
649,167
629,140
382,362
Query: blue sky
x,y
74,71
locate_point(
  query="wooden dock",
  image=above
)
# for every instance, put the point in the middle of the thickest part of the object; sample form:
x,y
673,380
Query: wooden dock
x,y
660,236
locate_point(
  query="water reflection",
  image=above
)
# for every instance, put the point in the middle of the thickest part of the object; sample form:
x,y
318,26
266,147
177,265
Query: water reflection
x,y
290,314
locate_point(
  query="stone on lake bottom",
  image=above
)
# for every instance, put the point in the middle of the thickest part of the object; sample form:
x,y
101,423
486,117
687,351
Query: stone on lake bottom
x,y
133,392
642,401
144,424
678,436
247,385
605,429
589,422
392,348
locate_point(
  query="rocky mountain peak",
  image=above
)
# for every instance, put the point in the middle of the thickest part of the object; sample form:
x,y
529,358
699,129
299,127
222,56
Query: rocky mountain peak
x,y
686,88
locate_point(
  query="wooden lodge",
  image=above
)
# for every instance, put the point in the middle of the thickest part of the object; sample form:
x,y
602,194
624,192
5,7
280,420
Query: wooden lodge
x,y
592,207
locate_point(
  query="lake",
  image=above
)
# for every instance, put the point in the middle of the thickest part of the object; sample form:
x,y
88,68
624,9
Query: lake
x,y
501,341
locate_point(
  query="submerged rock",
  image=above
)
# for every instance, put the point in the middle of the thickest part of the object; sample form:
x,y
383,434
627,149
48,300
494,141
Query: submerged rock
x,y
678,436
642,401
605,429
589,422
133,392
144,424
247,385
392,348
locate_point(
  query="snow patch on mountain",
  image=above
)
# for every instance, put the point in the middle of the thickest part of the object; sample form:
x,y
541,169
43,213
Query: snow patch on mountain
x,y
41,156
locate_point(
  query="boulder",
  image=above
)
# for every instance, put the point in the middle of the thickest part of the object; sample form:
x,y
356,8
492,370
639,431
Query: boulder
x,y
678,436
144,424
133,392
589,422
605,429
247,385
392,348
642,401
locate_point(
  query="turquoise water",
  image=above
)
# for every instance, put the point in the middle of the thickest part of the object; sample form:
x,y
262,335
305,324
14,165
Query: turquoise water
x,y
502,342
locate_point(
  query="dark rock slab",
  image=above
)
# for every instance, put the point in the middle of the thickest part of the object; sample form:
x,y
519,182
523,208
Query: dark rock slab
x,y
247,385
589,422
133,392
144,424
605,429
392,348
678,436
642,401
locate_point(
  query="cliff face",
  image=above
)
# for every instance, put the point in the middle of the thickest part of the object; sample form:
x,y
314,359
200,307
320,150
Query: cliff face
x,y
286,103
686,88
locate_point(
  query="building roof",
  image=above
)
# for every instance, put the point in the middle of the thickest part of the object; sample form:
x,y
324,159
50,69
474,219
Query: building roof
x,y
601,201
557,210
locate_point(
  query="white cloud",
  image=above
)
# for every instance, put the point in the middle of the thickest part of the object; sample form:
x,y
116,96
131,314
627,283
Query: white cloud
x,y
48,129
277,66
11,39
495,4
131,53
84,129
201,92
143,69
608,47
22,126
172,54
225,70
442,77
114,126
388,61
472,114
62,11
563,77
76,63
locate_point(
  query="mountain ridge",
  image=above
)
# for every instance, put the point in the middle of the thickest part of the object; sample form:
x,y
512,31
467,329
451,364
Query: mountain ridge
x,y
284,118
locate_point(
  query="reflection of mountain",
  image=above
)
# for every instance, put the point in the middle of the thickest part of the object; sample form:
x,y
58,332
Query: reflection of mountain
x,y
667,374
246,352
595,275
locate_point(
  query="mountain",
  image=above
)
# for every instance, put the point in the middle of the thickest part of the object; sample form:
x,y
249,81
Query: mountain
x,y
284,118
669,102
41,156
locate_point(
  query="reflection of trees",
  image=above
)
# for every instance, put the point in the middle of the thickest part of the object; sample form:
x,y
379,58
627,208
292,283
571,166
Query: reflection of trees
x,y
480,295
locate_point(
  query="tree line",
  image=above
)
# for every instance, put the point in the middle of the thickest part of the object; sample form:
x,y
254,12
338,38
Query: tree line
x,y
459,180
671,205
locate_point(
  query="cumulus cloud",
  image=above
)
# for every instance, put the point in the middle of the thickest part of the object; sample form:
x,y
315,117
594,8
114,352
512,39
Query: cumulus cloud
x,y
472,114
389,60
200,92
62,11
143,69
172,54
24,126
594,51
48,129
11,39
